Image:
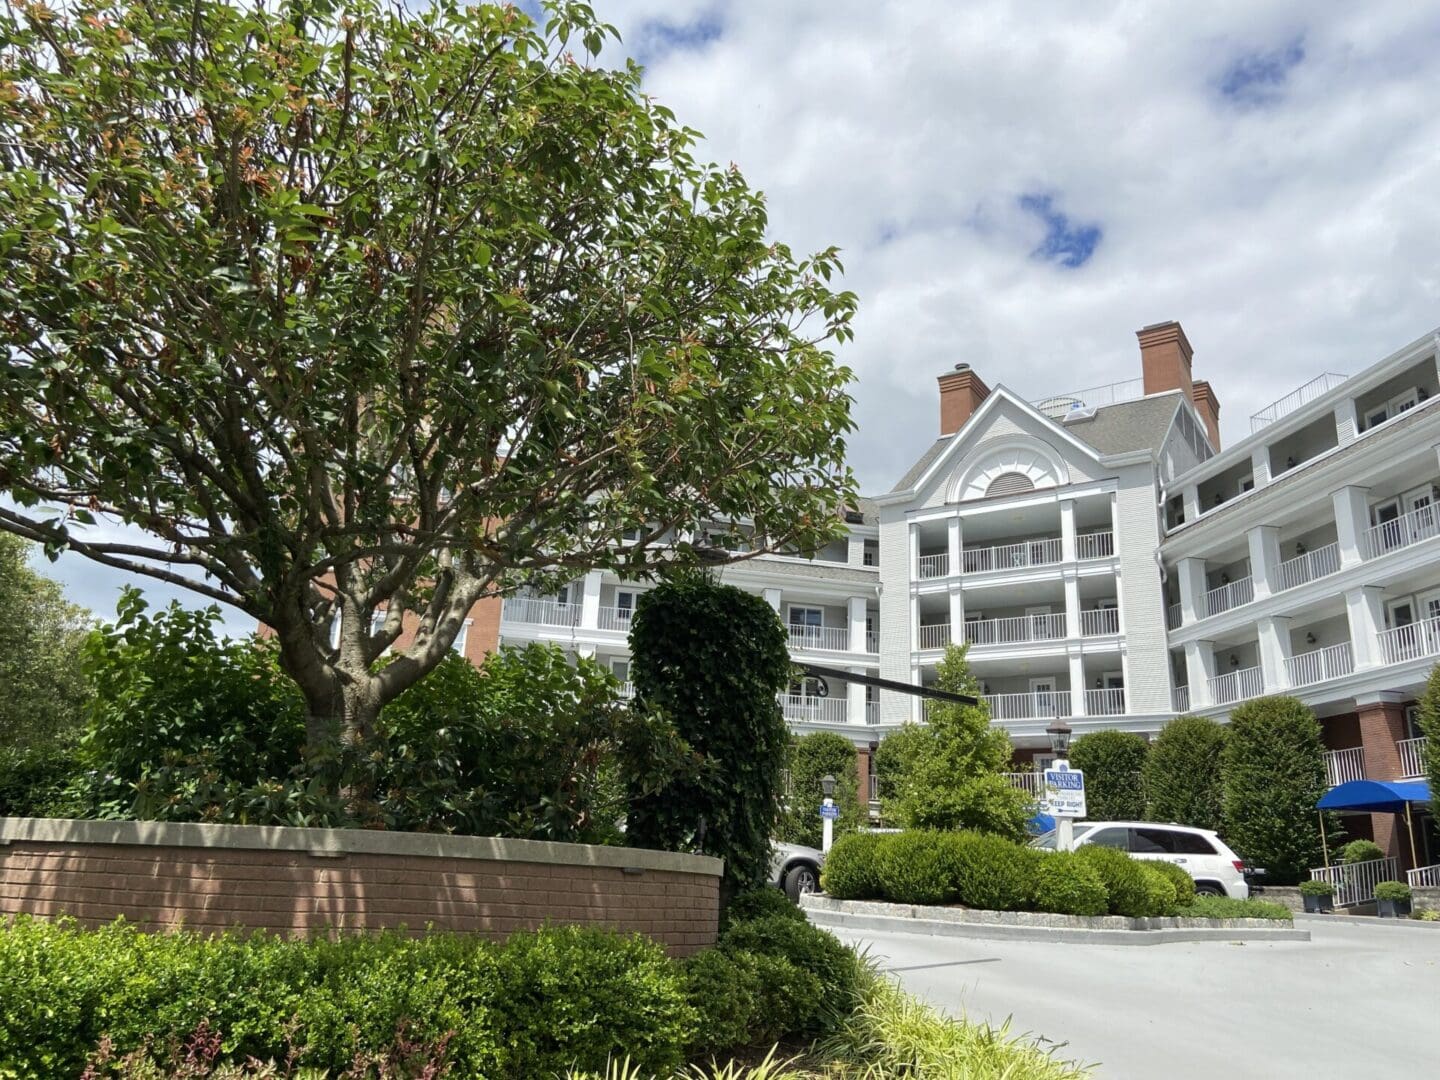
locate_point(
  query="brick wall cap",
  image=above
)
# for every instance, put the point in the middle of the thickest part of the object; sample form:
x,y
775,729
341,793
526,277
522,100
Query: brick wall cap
x,y
340,842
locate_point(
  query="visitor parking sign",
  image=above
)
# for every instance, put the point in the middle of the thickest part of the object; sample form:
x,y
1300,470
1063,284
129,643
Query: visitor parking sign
x,y
1064,794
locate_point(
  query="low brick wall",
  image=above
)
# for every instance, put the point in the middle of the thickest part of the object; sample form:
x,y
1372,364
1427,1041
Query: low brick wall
x,y
301,881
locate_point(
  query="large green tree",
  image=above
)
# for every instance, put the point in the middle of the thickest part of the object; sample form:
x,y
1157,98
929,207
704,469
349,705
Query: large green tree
x,y
1112,762
374,310
1430,728
44,688
813,757
1182,777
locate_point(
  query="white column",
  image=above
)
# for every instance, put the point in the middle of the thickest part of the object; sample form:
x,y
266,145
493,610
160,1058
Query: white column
x,y
1192,589
1365,611
914,552
1264,559
1199,670
1260,465
590,601
1346,425
1274,651
957,614
1077,684
1352,520
855,612
1190,497
914,620
772,597
855,698
1072,604
952,539
915,706
1067,530
855,550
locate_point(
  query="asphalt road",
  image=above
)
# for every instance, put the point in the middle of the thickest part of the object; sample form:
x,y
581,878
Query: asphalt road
x,y
1352,1003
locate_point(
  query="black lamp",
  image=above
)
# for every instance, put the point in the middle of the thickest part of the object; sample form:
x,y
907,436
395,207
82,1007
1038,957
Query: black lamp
x,y
827,785
1059,733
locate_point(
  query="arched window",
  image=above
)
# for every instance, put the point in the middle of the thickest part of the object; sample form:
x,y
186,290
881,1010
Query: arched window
x,y
1010,483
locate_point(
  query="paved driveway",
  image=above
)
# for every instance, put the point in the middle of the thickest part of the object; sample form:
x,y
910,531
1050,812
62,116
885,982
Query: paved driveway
x,y
1354,1002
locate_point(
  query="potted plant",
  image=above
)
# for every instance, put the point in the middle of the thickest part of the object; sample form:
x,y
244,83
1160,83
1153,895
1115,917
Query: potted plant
x,y
1393,899
1319,896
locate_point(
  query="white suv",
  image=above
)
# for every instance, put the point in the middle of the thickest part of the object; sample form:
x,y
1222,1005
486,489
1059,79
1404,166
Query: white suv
x,y
1201,853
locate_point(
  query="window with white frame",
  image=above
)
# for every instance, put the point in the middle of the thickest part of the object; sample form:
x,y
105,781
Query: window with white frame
x,y
462,637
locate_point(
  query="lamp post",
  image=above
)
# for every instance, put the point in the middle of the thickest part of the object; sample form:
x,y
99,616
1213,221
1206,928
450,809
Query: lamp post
x,y
827,821
1059,733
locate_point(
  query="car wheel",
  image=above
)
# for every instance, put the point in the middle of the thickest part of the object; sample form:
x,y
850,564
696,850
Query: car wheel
x,y
1208,888
800,880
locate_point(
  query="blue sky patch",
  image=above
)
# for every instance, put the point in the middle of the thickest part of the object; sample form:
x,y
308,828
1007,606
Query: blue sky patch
x,y
1259,78
1068,243
659,36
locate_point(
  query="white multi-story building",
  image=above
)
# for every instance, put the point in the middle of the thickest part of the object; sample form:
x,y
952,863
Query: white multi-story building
x,y
1110,565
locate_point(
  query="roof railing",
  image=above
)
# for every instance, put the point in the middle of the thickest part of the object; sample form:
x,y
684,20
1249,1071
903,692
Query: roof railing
x,y
1316,387
1058,405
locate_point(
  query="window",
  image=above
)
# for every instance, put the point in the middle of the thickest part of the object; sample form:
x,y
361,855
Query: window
x,y
620,668
562,595
1186,843
1151,842
630,535
1112,838
806,617
461,638
1247,484
1376,417
624,604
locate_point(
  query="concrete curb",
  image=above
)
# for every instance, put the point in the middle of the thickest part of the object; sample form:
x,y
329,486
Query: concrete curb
x,y
1364,920
1025,926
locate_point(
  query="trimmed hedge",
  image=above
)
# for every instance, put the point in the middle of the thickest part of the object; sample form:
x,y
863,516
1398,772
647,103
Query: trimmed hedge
x,y
1361,851
1184,884
992,872
1226,907
1067,885
1135,888
851,870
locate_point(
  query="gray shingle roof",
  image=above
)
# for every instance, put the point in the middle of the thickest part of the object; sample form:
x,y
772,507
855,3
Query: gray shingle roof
x,y
1130,425
918,469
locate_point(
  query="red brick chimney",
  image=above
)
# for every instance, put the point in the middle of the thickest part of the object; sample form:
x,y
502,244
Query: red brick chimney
x,y
1165,356
961,392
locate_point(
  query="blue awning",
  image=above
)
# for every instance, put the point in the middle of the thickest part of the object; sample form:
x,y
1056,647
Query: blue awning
x,y
1377,796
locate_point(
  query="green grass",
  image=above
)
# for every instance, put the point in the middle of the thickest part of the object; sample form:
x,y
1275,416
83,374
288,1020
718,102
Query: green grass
x,y
1225,907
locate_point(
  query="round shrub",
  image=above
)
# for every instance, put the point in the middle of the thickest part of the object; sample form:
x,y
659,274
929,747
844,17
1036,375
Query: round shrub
x,y
1393,891
1184,884
1126,884
724,989
1112,762
1181,774
758,904
788,999
1317,888
914,868
1361,851
851,869
809,949
1066,885
1160,892
991,872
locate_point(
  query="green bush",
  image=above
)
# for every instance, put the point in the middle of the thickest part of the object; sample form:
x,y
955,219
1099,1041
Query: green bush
x,y
1274,774
991,872
809,949
811,758
758,904
1112,762
1225,907
851,869
724,989
1130,891
789,999
1160,891
40,779
1182,882
1429,724
1396,891
915,868
1067,885
1317,888
1360,851
1181,774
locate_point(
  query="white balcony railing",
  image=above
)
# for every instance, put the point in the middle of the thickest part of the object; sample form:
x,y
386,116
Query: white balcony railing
x,y
1327,663
627,691
1316,387
872,641
1099,622
539,611
1174,616
829,638
1015,630
874,787
616,618
1093,397
1355,882
933,566
1029,782
1313,564
1096,545
1109,702
872,712
1424,877
1342,766
1012,556
1402,643
1230,595
1180,699
934,635
1419,524
1037,704
1412,758
814,710
1236,685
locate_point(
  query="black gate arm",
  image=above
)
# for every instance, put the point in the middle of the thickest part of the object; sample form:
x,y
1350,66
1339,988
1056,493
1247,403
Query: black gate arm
x,y
888,684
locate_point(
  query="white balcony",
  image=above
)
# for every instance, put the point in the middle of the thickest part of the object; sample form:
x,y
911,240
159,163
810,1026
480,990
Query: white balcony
x,y
1012,556
814,710
1413,642
1230,595
1110,702
627,691
1313,667
872,712
1308,567
1017,630
1316,387
1036,705
933,566
538,611
616,618
819,638
1342,766
872,641
1180,699
1029,782
1412,758
1422,523
1236,686
1174,616
1096,545
934,635
1099,622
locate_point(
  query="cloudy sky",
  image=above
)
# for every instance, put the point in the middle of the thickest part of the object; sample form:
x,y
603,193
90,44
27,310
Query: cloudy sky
x,y
1022,185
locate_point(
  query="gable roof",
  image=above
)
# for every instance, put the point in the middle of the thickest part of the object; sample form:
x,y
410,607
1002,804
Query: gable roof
x,y
1130,425
922,463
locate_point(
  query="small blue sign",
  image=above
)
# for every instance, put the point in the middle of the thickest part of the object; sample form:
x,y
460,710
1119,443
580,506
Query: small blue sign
x,y
832,811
